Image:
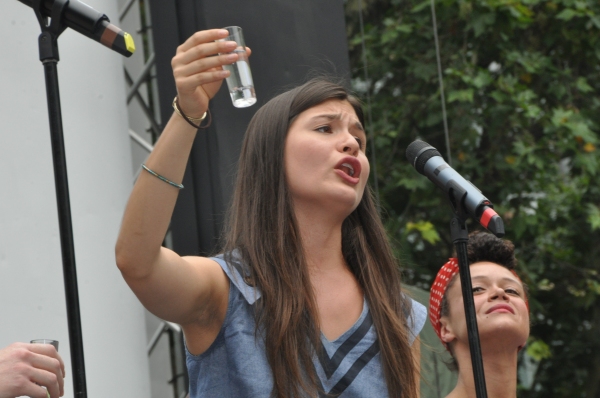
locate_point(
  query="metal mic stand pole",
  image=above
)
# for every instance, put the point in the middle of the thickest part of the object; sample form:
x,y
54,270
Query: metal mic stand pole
x,y
460,237
48,47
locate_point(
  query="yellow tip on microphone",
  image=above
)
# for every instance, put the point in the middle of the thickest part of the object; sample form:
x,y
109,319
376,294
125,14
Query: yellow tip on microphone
x,y
115,39
129,44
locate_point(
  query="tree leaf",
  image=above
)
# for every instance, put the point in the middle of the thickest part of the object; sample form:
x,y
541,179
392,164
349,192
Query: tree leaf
x,y
538,349
421,6
582,85
567,14
426,229
593,216
483,79
461,95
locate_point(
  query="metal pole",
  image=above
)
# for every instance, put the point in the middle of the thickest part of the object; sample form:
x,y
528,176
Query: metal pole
x,y
48,47
460,237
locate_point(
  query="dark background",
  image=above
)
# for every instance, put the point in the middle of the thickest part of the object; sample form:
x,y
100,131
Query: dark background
x,y
289,39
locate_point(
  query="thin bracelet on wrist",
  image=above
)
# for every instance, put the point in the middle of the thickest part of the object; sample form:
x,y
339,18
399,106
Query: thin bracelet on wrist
x,y
194,121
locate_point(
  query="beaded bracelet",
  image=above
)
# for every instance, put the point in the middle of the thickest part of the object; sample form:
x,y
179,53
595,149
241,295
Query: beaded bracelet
x,y
180,186
194,121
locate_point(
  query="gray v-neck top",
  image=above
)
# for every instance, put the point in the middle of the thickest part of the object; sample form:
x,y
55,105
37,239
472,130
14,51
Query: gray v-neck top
x,y
236,365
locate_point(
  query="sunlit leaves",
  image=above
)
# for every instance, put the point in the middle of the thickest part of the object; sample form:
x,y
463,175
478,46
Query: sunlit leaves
x,y
538,350
426,229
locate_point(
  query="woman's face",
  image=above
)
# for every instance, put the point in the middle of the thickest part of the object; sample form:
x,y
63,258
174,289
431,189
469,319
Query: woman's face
x,y
502,314
325,162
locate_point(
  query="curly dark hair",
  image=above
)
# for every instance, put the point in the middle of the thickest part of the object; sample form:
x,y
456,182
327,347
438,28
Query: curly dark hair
x,y
483,246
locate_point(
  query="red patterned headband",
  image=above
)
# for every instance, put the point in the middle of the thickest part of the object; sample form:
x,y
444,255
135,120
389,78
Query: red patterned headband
x,y
438,289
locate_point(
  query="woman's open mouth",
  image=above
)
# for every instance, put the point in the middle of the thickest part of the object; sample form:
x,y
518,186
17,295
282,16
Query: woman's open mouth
x,y
349,168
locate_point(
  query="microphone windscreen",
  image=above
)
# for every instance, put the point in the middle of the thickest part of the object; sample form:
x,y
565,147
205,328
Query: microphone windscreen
x,y
419,152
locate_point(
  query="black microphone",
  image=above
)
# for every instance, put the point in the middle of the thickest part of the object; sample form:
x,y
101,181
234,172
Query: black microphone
x,y
428,161
89,22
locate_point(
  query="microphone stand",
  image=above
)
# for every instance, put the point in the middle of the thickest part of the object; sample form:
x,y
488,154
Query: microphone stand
x,y
48,48
460,237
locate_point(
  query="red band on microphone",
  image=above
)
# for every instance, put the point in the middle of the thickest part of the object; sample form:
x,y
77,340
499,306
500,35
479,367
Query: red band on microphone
x,y
487,216
109,35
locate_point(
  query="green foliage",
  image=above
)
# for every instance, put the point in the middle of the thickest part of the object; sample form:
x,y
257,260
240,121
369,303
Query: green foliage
x,y
522,85
425,229
538,350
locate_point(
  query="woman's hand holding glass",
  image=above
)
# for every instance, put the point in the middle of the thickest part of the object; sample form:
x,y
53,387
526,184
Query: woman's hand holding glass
x,y
198,69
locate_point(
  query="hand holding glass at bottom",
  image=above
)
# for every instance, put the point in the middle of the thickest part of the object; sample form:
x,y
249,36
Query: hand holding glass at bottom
x,y
25,368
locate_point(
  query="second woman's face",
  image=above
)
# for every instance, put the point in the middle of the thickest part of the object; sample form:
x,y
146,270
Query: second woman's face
x,y
500,306
325,162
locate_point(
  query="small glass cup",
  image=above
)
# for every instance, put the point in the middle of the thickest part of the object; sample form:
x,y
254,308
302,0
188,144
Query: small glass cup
x,y
239,82
46,341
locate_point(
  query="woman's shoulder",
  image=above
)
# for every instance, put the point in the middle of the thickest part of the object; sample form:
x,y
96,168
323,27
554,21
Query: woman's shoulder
x,y
415,314
238,273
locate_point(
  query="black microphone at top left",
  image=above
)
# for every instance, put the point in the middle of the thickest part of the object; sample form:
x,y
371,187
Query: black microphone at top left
x,y
91,23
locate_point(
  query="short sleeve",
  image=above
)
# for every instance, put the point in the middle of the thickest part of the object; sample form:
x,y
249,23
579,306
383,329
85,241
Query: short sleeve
x,y
416,320
236,273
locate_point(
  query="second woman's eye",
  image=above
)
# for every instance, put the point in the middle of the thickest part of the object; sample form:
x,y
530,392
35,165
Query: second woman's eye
x,y
324,129
512,291
477,289
360,142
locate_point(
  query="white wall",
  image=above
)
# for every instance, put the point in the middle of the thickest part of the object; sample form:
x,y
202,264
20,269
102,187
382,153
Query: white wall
x,y
99,170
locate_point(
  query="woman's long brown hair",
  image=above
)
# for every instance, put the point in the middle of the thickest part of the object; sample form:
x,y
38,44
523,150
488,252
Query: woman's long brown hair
x,y
263,228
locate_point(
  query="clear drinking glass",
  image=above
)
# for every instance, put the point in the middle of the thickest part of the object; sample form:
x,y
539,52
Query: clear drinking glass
x,y
46,341
239,82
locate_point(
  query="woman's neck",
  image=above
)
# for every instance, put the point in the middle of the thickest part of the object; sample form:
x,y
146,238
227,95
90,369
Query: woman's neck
x,y
321,239
500,368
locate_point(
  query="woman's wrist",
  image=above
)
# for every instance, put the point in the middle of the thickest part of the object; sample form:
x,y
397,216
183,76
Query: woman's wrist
x,y
193,121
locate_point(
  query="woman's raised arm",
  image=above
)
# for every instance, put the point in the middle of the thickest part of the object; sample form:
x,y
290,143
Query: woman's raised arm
x,y
179,289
